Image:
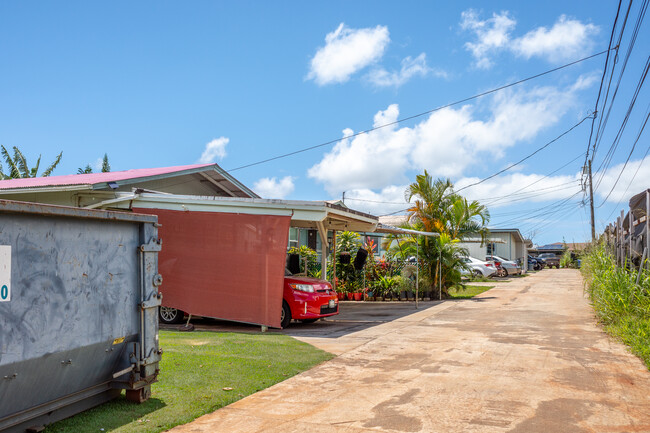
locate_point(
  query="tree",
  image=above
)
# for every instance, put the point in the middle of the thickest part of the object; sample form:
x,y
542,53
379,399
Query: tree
x,y
106,167
18,168
438,209
86,170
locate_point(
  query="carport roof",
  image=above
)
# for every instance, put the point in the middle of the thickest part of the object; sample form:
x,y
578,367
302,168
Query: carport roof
x,y
305,214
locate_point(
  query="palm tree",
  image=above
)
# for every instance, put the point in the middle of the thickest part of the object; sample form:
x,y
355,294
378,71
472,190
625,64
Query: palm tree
x,y
85,170
18,168
438,209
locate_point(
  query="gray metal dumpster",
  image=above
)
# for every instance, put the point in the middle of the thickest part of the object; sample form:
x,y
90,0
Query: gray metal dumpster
x,y
78,310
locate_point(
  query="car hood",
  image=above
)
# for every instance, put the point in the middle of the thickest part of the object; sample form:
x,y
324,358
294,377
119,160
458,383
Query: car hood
x,y
317,282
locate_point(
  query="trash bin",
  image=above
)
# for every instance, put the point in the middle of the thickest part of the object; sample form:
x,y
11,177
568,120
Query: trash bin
x,y
78,310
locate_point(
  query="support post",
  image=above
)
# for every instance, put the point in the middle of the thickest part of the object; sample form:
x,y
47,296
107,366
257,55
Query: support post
x,y
334,260
323,251
622,243
638,276
417,266
630,231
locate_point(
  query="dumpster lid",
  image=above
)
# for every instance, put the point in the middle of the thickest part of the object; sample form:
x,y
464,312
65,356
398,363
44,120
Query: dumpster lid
x,y
10,206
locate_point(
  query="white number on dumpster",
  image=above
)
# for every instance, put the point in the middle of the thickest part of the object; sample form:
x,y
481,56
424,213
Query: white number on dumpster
x,y
5,273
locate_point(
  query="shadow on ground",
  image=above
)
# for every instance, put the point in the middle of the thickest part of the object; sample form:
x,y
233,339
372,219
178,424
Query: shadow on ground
x,y
352,317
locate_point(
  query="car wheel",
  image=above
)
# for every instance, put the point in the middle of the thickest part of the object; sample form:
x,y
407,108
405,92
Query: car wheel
x,y
477,273
285,319
308,320
503,272
170,316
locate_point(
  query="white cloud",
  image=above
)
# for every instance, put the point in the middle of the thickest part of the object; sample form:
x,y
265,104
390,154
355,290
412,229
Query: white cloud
x,y
491,34
519,188
446,142
387,200
347,51
621,191
567,39
370,160
410,68
213,150
271,187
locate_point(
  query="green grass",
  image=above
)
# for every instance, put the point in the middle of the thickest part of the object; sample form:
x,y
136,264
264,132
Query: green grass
x,y
622,305
469,292
195,369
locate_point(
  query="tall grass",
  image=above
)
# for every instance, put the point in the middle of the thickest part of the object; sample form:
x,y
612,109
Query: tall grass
x,y
622,305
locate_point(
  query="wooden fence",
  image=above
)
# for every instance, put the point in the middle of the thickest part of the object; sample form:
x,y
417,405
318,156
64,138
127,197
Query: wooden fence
x,y
629,236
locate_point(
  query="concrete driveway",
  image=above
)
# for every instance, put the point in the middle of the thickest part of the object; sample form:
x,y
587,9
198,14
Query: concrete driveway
x,y
526,356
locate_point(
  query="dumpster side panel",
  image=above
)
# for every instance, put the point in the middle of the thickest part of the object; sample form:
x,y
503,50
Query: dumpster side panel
x,y
69,283
76,329
223,265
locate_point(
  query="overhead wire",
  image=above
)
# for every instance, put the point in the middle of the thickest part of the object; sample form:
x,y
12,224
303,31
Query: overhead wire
x,y
629,184
604,119
627,160
424,113
602,169
602,79
527,157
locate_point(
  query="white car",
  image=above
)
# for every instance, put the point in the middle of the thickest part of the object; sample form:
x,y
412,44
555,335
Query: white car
x,y
479,268
508,267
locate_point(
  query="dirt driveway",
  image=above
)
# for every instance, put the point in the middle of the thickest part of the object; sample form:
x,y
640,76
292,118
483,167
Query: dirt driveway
x,y
526,356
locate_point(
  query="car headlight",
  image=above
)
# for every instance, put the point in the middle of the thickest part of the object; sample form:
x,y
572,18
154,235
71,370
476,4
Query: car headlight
x,y
302,287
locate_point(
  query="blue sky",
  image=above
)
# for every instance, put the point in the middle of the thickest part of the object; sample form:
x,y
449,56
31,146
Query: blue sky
x,y
157,84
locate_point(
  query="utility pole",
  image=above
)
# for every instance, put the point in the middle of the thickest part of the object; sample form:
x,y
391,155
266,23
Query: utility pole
x,y
591,205
343,198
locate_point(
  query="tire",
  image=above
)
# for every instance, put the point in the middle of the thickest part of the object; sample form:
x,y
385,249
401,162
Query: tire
x,y
502,272
170,316
477,273
308,320
285,319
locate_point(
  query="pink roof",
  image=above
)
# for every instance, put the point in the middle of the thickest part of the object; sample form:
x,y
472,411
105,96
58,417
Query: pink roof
x,y
94,178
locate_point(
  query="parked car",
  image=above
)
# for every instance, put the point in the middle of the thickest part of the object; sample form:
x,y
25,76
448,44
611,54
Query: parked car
x,y
307,299
508,267
535,263
478,267
551,259
303,298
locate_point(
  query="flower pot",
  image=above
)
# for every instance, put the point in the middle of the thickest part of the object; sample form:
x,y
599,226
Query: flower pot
x,y
340,296
358,296
402,295
350,296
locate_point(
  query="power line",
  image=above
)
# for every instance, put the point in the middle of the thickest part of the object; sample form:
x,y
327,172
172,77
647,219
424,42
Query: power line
x,y
602,80
604,119
630,184
285,155
527,157
628,158
541,179
610,154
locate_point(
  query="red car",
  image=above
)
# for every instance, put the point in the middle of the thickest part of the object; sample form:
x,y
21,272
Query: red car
x,y
307,299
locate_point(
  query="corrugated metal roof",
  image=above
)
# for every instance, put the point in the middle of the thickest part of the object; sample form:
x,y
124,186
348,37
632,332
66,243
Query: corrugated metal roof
x,y
94,178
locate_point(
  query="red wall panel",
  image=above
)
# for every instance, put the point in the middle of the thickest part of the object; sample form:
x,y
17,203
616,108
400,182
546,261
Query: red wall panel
x,y
223,265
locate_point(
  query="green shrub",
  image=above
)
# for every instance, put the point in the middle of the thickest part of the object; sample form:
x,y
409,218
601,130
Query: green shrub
x,y
622,305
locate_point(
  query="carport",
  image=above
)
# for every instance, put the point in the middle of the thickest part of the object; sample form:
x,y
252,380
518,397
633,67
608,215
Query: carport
x,y
224,257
